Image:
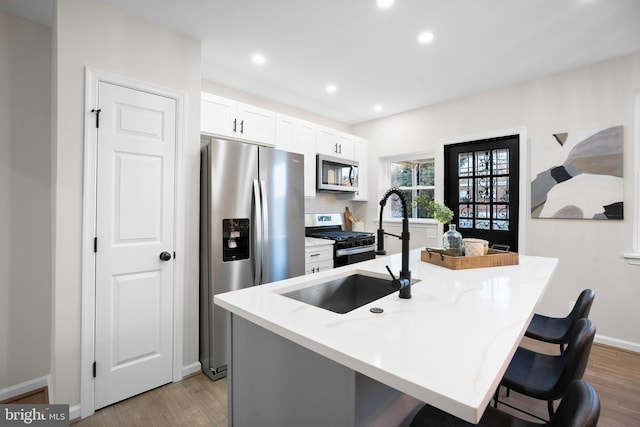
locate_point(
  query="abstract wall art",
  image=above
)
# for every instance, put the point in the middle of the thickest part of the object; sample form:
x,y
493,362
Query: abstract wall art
x,y
578,175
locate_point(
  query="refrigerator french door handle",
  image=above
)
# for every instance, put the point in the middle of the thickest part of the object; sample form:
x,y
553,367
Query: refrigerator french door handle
x,y
265,222
258,234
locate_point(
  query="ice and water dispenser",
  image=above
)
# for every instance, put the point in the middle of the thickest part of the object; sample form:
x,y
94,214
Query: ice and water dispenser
x,y
235,239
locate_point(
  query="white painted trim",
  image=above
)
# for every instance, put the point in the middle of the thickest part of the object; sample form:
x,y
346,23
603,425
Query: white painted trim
x,y
633,257
617,343
74,412
523,213
24,387
192,368
92,77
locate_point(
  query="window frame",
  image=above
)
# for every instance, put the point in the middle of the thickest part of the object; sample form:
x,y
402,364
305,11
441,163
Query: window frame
x,y
384,182
633,256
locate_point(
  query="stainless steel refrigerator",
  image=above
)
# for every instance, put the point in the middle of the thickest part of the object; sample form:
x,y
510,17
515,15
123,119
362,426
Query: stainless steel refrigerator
x,y
251,230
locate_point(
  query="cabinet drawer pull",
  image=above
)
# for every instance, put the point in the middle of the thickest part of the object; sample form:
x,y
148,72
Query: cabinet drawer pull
x,y
315,254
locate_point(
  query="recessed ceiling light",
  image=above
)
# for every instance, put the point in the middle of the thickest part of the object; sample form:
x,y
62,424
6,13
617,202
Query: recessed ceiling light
x,y
377,107
384,4
257,59
425,38
331,88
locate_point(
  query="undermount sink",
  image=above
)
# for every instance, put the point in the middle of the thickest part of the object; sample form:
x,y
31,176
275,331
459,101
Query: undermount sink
x,y
344,294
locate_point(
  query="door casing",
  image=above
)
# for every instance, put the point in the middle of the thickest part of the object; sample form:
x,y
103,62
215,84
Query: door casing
x,y
524,174
92,77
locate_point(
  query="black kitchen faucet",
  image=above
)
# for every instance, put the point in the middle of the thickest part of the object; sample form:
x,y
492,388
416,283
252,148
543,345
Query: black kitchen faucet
x,y
402,283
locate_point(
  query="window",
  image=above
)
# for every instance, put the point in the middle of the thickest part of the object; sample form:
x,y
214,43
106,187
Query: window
x,y
414,175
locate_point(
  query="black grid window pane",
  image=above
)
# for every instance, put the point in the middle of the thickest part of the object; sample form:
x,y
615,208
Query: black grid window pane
x,y
465,189
483,189
465,164
500,161
483,163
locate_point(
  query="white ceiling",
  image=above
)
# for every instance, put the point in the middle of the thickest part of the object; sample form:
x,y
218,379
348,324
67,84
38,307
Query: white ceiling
x,y
372,55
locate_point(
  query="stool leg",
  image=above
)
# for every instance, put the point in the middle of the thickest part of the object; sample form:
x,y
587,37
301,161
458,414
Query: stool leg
x,y
550,408
495,398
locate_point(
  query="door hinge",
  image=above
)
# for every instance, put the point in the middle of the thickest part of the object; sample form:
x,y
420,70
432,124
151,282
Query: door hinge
x,y
97,111
95,245
94,369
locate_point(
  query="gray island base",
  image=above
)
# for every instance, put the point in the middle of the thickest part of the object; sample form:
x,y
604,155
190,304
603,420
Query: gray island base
x,y
276,382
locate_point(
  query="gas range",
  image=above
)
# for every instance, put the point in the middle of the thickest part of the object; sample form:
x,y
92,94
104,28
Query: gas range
x,y
344,239
350,246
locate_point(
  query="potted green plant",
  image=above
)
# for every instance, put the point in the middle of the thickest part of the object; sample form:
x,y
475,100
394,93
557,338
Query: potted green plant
x,y
452,239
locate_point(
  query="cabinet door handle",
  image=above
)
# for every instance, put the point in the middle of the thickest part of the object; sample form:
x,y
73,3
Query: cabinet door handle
x,y
340,152
241,126
314,255
234,124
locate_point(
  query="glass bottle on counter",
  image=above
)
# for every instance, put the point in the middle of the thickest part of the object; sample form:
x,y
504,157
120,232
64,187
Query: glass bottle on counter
x,y
452,241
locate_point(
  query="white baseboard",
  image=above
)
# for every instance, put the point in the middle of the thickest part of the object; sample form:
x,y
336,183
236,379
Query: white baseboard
x,y
618,343
27,386
192,368
74,412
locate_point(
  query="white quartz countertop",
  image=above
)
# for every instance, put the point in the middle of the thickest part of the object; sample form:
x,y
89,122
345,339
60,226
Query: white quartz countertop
x,y
314,241
448,346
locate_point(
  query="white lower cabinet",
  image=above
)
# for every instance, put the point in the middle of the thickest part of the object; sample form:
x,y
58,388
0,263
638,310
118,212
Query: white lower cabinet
x,y
318,258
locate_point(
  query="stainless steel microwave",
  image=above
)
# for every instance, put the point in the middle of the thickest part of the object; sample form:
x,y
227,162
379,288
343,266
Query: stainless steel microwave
x,y
336,174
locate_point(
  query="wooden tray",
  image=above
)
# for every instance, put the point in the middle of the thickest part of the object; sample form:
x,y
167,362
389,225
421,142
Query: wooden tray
x,y
494,258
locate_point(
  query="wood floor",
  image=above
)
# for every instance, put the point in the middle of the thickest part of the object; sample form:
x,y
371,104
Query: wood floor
x,y
194,401
197,401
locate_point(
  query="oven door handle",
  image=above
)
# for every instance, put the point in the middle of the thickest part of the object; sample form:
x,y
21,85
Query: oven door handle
x,y
353,251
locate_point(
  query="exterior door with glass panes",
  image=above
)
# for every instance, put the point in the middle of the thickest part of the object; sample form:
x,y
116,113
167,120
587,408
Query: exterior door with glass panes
x,y
481,187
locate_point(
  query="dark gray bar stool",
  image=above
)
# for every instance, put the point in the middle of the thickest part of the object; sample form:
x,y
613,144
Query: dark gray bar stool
x,y
547,377
556,330
580,407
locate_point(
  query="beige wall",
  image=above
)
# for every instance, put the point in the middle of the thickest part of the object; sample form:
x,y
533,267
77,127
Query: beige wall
x,y
89,33
25,229
590,252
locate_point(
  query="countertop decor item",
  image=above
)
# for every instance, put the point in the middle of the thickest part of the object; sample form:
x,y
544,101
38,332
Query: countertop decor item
x,y
435,210
494,258
452,241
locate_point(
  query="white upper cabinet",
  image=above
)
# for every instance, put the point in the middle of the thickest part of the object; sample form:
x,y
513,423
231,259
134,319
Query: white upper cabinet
x,y
335,143
222,116
226,117
362,156
217,114
299,136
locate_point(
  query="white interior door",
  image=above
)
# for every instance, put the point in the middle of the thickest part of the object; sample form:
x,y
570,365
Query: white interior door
x,y
134,226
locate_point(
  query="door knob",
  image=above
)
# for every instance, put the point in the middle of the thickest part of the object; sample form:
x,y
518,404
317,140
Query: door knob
x,y
165,256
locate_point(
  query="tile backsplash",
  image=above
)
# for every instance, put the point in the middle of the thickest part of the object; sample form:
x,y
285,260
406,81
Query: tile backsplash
x,y
328,203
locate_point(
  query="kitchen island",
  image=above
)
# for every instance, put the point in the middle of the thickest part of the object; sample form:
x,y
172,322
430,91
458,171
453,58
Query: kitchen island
x,y
296,364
